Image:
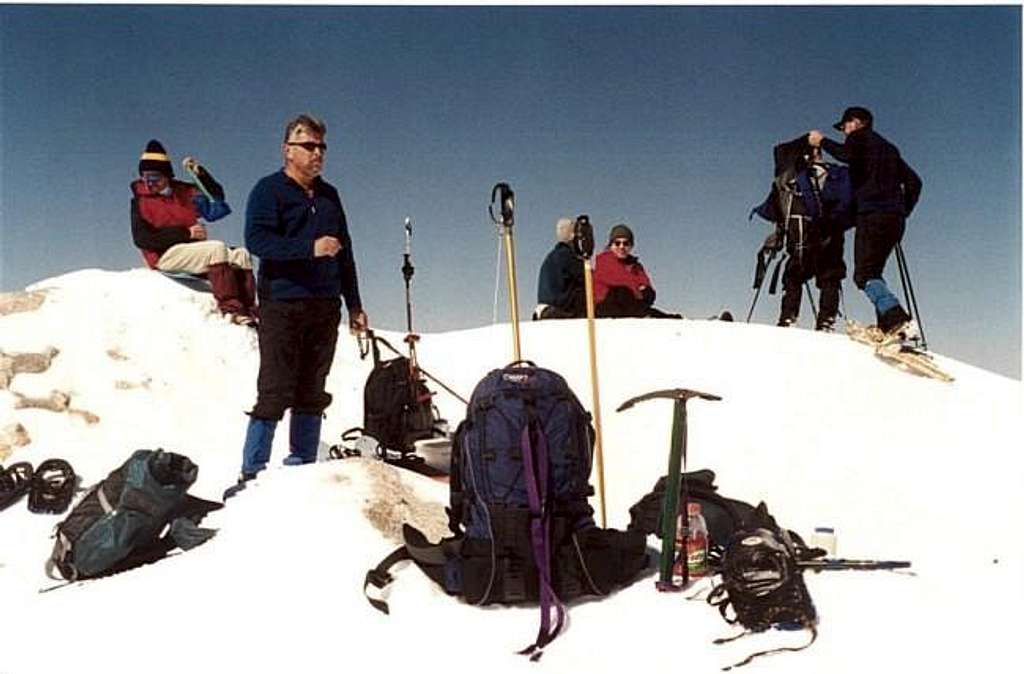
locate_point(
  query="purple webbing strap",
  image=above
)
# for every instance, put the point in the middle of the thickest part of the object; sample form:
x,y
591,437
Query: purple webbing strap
x,y
535,468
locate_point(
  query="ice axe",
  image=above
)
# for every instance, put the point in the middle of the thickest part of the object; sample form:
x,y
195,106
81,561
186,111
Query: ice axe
x,y
670,507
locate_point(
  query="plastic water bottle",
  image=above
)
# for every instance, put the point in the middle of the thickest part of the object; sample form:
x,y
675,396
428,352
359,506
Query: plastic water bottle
x,y
695,531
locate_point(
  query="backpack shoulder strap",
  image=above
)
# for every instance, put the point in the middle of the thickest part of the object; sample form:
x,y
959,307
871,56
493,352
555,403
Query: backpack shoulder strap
x,y
430,557
380,577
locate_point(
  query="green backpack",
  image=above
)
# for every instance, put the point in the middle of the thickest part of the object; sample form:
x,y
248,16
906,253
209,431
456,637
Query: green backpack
x,y
120,523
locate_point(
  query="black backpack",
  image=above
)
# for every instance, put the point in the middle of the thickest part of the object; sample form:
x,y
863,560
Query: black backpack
x,y
523,528
398,407
724,516
118,523
762,581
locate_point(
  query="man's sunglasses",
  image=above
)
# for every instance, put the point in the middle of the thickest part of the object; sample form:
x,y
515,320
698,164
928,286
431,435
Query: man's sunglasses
x,y
622,242
153,178
310,146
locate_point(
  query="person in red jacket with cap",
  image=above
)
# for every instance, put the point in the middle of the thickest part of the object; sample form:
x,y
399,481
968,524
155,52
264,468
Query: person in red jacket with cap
x,y
166,228
622,288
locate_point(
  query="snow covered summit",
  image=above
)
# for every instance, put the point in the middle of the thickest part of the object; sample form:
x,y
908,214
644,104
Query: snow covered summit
x,y
813,424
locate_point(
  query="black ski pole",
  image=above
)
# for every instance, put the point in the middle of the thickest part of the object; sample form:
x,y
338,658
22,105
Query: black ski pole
x,y
671,506
760,282
908,292
810,299
407,271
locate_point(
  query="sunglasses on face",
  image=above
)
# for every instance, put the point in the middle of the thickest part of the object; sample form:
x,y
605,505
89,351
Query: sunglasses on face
x,y
152,178
622,242
309,146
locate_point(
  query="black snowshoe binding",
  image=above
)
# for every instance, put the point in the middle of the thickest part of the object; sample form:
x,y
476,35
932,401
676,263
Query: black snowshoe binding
x,y
14,483
53,487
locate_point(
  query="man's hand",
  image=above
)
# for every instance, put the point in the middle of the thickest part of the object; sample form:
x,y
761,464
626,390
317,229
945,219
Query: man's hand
x,y
358,323
326,246
814,138
197,232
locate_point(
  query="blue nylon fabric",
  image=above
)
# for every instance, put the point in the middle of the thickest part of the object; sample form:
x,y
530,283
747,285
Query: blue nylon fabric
x,y
880,295
259,437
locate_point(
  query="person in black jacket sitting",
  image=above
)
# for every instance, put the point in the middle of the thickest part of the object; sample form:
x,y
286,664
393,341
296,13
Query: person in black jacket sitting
x,y
560,285
885,191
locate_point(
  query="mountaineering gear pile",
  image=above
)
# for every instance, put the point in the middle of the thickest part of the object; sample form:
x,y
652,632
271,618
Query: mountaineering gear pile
x,y
724,516
676,500
892,348
811,205
763,583
523,529
118,523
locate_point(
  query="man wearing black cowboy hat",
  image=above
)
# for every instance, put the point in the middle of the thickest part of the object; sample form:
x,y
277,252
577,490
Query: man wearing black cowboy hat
x,y
886,190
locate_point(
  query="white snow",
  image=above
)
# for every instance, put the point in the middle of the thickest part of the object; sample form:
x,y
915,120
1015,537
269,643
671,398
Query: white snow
x,y
903,467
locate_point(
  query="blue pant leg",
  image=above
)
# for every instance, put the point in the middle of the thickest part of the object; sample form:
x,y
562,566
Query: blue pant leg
x,y
303,438
258,440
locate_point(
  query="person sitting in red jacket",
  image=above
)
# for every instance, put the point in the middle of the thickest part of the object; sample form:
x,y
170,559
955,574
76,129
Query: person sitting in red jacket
x,y
622,288
166,228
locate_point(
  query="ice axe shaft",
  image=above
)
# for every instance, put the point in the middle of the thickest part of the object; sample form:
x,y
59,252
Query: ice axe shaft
x,y
676,460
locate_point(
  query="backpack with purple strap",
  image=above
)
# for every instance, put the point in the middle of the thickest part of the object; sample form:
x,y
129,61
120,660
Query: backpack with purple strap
x,y
523,530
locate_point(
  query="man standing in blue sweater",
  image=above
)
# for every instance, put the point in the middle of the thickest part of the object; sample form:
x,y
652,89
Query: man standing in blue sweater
x,y
295,225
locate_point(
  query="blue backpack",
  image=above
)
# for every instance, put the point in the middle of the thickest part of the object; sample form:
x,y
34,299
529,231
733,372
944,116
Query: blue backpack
x,y
523,529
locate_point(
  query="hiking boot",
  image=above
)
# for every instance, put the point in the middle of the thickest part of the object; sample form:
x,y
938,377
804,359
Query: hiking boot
x,y
906,332
826,324
786,322
893,320
238,486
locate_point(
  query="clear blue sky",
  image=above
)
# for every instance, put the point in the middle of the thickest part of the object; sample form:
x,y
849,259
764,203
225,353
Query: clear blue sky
x,y
660,117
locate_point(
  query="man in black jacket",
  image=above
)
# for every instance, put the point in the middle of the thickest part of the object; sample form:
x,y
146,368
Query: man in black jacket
x,y
296,226
885,190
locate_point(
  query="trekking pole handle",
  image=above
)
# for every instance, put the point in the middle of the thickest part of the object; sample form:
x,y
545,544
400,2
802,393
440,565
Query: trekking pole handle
x,y
407,269
583,237
503,193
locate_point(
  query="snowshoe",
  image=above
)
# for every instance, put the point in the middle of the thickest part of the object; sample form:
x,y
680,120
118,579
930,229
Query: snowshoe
x,y
14,483
54,484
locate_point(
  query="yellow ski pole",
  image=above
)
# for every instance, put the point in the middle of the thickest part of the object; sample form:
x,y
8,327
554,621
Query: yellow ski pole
x,y
508,204
583,241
